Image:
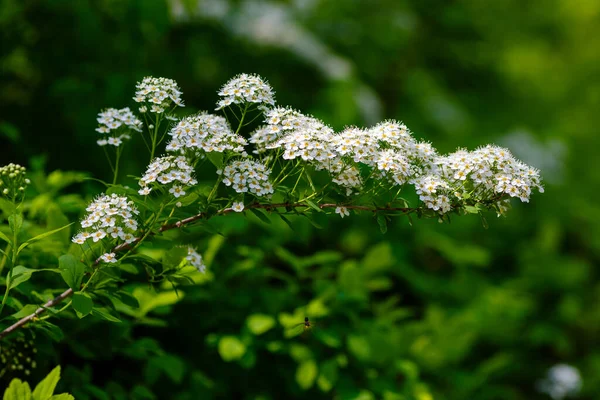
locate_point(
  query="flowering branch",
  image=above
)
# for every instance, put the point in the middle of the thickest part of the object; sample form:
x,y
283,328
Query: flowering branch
x,y
361,166
125,246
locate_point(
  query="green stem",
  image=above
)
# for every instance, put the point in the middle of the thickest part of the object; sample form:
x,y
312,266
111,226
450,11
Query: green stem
x,y
154,139
116,170
9,275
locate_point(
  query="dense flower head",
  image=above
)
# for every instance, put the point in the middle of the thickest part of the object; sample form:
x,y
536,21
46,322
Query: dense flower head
x,y
168,170
247,176
195,260
434,192
279,120
485,173
112,122
246,88
205,133
310,141
12,180
158,93
109,216
490,169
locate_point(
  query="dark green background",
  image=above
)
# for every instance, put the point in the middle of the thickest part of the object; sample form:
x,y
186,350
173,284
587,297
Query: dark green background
x,y
479,314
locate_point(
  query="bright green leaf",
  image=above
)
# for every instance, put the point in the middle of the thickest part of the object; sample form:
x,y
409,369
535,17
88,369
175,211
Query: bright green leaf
x,y
306,374
17,390
472,209
15,222
231,348
41,236
216,158
260,323
72,270
25,311
83,304
19,275
45,389
5,238
62,396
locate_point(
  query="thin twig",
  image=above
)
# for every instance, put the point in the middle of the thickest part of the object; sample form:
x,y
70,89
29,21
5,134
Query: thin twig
x,y
125,246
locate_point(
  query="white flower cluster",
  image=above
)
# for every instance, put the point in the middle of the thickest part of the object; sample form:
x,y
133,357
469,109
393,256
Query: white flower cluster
x,y
206,133
247,176
159,93
280,120
109,216
483,173
195,260
562,381
246,88
434,192
111,120
389,147
168,170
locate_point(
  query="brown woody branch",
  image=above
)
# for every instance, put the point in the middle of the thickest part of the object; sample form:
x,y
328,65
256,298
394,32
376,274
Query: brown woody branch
x,y
69,292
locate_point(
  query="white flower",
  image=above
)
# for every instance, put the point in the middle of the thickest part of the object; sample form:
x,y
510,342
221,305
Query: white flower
x,y
248,176
238,206
109,257
205,133
246,88
159,93
177,191
342,211
195,260
113,121
168,170
108,216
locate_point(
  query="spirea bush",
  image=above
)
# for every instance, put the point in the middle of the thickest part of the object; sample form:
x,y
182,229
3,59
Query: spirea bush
x,y
267,160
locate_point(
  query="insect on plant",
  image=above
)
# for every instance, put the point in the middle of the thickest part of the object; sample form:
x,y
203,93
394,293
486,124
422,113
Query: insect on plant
x,y
301,328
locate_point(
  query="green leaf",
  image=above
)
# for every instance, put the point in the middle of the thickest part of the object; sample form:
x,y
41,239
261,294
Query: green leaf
x,y
261,215
62,396
216,158
41,236
15,222
231,348
313,206
17,390
55,219
5,238
25,311
72,270
19,275
53,331
45,389
173,258
306,374
260,323
103,313
359,346
286,220
328,375
82,304
382,221
472,209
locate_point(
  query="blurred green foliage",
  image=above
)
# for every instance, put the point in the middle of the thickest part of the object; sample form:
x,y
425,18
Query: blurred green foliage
x,y
424,312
